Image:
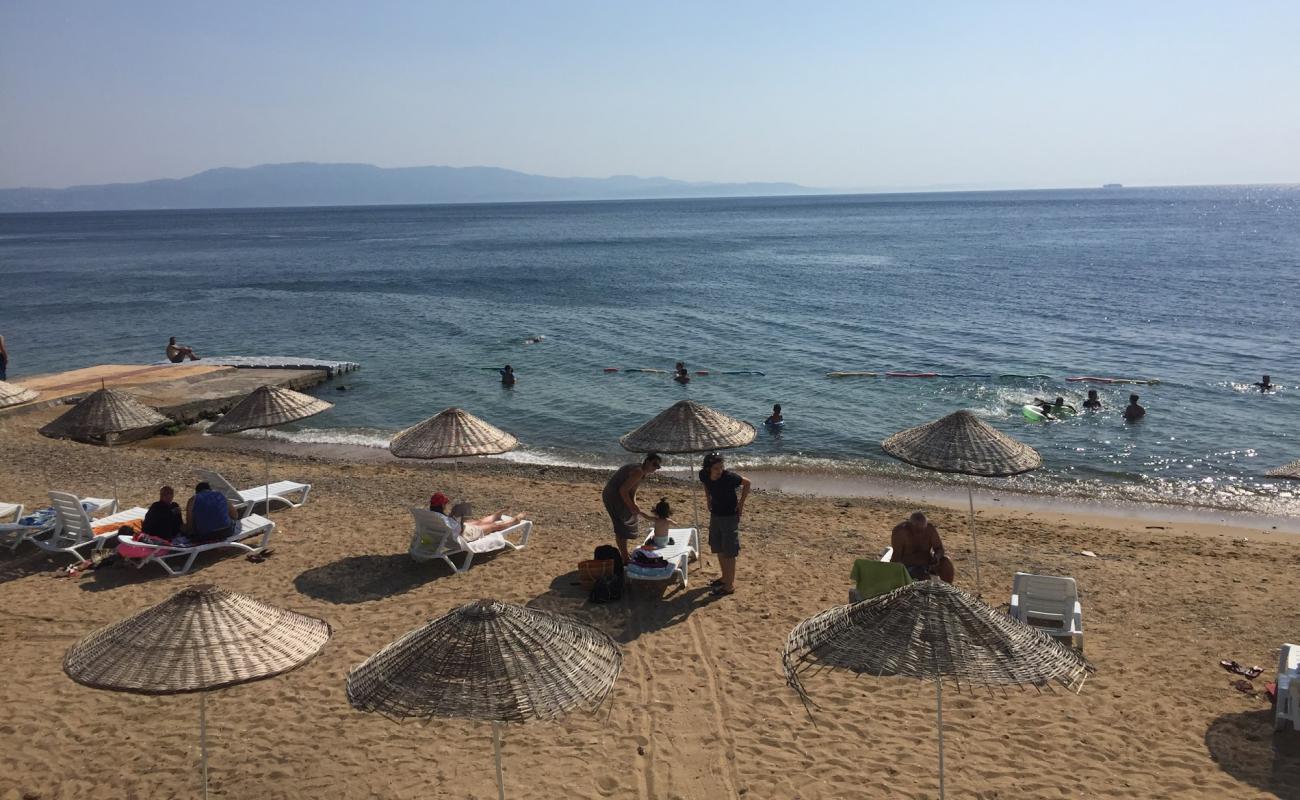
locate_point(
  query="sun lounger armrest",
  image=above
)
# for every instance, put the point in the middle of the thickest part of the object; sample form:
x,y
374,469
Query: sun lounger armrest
x,y
1015,606
1078,616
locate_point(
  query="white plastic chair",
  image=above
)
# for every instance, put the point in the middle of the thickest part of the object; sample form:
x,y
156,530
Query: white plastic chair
x,y
75,530
1049,603
679,555
14,510
280,491
434,540
1288,688
180,560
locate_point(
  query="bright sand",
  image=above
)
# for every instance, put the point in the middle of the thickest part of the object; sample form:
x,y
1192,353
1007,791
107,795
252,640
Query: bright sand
x,y
701,709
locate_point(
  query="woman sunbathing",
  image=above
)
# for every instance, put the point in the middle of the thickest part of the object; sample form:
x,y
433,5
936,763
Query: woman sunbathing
x,y
474,528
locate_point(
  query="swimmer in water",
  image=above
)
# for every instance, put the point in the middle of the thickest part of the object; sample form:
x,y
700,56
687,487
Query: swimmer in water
x,y
538,339
507,375
1265,385
1093,403
1133,411
1053,410
680,374
776,418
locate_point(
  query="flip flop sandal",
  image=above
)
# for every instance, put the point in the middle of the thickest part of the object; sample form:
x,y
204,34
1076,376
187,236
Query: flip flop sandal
x,y
1245,687
722,591
1253,673
1230,666
716,582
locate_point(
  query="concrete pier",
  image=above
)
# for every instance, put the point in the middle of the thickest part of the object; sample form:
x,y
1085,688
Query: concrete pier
x,y
185,392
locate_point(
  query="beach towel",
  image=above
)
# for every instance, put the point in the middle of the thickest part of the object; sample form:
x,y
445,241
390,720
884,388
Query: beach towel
x,y
133,551
872,578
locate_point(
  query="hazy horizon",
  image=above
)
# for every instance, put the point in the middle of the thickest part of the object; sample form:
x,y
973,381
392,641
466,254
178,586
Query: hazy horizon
x,y
840,97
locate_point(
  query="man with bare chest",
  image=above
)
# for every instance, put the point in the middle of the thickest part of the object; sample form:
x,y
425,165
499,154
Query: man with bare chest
x,y
918,547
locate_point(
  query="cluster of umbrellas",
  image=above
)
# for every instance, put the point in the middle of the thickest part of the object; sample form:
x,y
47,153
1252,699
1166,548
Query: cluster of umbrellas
x,y
498,662
486,660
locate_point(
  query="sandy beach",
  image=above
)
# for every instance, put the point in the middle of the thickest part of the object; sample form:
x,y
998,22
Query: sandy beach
x,y
701,709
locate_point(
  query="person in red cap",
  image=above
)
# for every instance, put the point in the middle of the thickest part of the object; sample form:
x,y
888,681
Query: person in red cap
x,y
475,528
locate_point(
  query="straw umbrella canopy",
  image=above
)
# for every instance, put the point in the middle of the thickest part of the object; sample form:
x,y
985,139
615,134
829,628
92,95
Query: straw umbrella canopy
x,y
103,416
964,444
689,427
201,638
1290,471
266,407
451,433
930,630
493,661
11,394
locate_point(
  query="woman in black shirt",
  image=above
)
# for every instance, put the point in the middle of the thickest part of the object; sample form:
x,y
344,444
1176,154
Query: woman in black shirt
x,y
725,493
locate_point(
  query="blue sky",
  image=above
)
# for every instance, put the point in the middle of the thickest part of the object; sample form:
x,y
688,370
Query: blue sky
x,y
850,95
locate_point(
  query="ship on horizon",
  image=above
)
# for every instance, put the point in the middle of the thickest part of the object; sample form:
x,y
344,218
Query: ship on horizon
x,y
1112,186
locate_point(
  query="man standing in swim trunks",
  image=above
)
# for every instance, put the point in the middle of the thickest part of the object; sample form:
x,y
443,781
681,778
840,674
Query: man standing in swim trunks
x,y
619,496
918,547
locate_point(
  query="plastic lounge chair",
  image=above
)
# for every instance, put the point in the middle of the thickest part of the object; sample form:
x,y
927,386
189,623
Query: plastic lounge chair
x,y
871,578
684,549
434,540
11,510
179,560
1049,603
74,531
281,491
1288,688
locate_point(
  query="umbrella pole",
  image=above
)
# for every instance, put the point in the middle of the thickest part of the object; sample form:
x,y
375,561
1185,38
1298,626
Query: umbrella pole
x,y
970,495
938,705
267,455
496,747
203,739
112,467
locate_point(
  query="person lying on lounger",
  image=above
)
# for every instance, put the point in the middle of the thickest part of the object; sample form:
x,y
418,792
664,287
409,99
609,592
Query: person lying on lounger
x,y
474,528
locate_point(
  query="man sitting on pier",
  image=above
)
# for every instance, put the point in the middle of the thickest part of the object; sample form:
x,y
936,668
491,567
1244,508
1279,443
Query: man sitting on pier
x,y
176,353
918,547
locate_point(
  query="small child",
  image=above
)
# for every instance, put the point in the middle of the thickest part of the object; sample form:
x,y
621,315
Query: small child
x,y
662,512
776,418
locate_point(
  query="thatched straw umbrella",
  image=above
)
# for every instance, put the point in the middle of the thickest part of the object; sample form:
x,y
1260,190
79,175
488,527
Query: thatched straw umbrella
x,y
964,444
103,416
689,427
200,639
930,630
265,407
1290,471
492,661
11,394
451,433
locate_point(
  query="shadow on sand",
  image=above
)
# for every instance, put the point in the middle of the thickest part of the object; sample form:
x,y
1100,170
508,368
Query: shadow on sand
x,y
28,561
645,607
361,579
1245,746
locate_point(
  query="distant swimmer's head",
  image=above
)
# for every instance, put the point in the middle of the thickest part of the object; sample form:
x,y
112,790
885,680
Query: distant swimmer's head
x,y
1133,398
1266,381
651,462
681,365
509,368
1060,401
662,509
776,409
1092,394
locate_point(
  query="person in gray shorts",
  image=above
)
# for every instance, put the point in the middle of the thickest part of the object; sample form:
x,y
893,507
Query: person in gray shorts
x,y
619,497
725,493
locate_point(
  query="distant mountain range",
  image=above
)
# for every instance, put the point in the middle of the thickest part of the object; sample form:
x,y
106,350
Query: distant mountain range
x,y
309,184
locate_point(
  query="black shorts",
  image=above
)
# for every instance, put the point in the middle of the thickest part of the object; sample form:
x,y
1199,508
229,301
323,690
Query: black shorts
x,y
724,535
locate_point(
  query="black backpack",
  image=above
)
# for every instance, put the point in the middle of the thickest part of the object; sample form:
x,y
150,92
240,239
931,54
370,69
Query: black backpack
x,y
608,588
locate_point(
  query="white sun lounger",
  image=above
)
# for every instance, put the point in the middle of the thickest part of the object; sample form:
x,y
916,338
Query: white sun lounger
x,y
434,540
74,531
179,560
11,510
679,555
281,491
1288,688
1049,603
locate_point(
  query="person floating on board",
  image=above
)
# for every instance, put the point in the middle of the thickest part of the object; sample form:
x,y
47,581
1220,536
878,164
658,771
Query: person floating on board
x,y
1093,403
507,375
176,353
1054,410
1133,412
1265,385
681,375
776,420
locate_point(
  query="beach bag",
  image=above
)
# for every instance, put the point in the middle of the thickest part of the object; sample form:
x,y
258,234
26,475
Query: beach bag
x,y
608,552
607,589
592,570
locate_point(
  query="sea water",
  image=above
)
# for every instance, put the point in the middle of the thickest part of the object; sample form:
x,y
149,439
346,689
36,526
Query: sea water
x,y
1195,287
